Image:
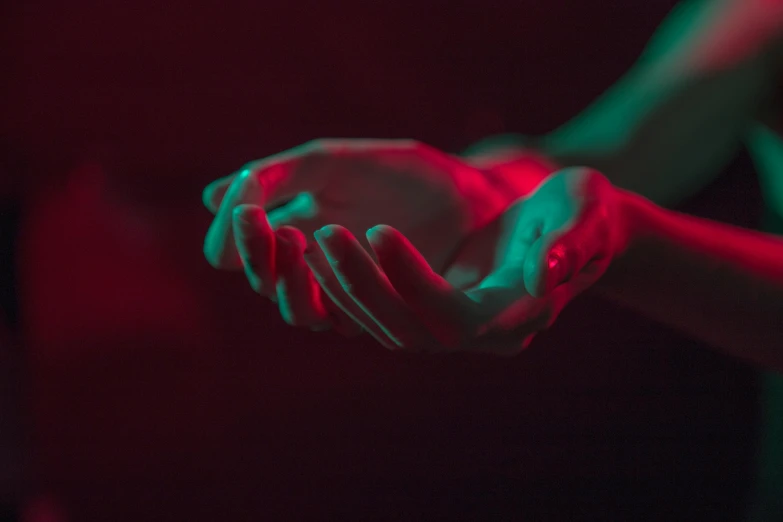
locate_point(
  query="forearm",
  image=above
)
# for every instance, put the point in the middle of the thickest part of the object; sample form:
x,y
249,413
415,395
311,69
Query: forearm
x,y
678,116
718,283
670,125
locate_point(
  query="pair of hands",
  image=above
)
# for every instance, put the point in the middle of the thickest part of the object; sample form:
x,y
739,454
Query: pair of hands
x,y
423,250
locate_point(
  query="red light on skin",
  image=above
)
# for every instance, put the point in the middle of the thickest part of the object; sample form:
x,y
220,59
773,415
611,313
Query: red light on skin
x,y
520,172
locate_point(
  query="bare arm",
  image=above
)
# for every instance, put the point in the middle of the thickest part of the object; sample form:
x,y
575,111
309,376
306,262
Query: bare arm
x,y
719,283
664,131
678,116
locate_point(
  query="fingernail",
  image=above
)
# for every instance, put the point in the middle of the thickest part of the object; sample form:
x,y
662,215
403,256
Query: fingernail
x,y
376,234
326,239
324,233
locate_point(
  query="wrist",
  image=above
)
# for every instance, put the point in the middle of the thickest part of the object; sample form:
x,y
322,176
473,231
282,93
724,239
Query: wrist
x,y
628,222
637,218
631,223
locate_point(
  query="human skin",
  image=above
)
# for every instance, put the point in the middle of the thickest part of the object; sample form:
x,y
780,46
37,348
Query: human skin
x,y
663,131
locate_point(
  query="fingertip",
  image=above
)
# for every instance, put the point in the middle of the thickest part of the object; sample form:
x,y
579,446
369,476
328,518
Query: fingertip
x,y
218,257
246,214
329,231
213,194
380,234
333,238
206,198
210,254
396,252
290,243
292,235
213,248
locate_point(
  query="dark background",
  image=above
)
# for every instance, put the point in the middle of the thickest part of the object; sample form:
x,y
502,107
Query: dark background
x,y
161,390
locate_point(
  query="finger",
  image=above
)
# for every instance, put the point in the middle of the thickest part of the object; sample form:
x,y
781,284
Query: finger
x,y
491,319
329,284
297,291
514,328
219,246
562,254
449,314
214,192
363,280
548,266
266,183
341,322
255,241
513,249
296,213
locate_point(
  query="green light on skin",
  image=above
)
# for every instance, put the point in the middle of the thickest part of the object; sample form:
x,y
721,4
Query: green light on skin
x,y
303,206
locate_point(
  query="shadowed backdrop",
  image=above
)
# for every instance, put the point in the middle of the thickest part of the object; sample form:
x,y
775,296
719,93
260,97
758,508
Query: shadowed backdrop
x,y
162,390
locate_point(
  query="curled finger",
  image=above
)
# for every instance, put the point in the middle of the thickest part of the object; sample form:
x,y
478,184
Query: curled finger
x,y
298,293
256,244
448,313
369,288
575,249
329,284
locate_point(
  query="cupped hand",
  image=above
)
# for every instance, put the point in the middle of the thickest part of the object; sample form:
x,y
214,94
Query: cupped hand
x,y
546,249
266,212
577,225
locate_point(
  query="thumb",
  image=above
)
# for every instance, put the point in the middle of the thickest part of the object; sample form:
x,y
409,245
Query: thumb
x,y
547,265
